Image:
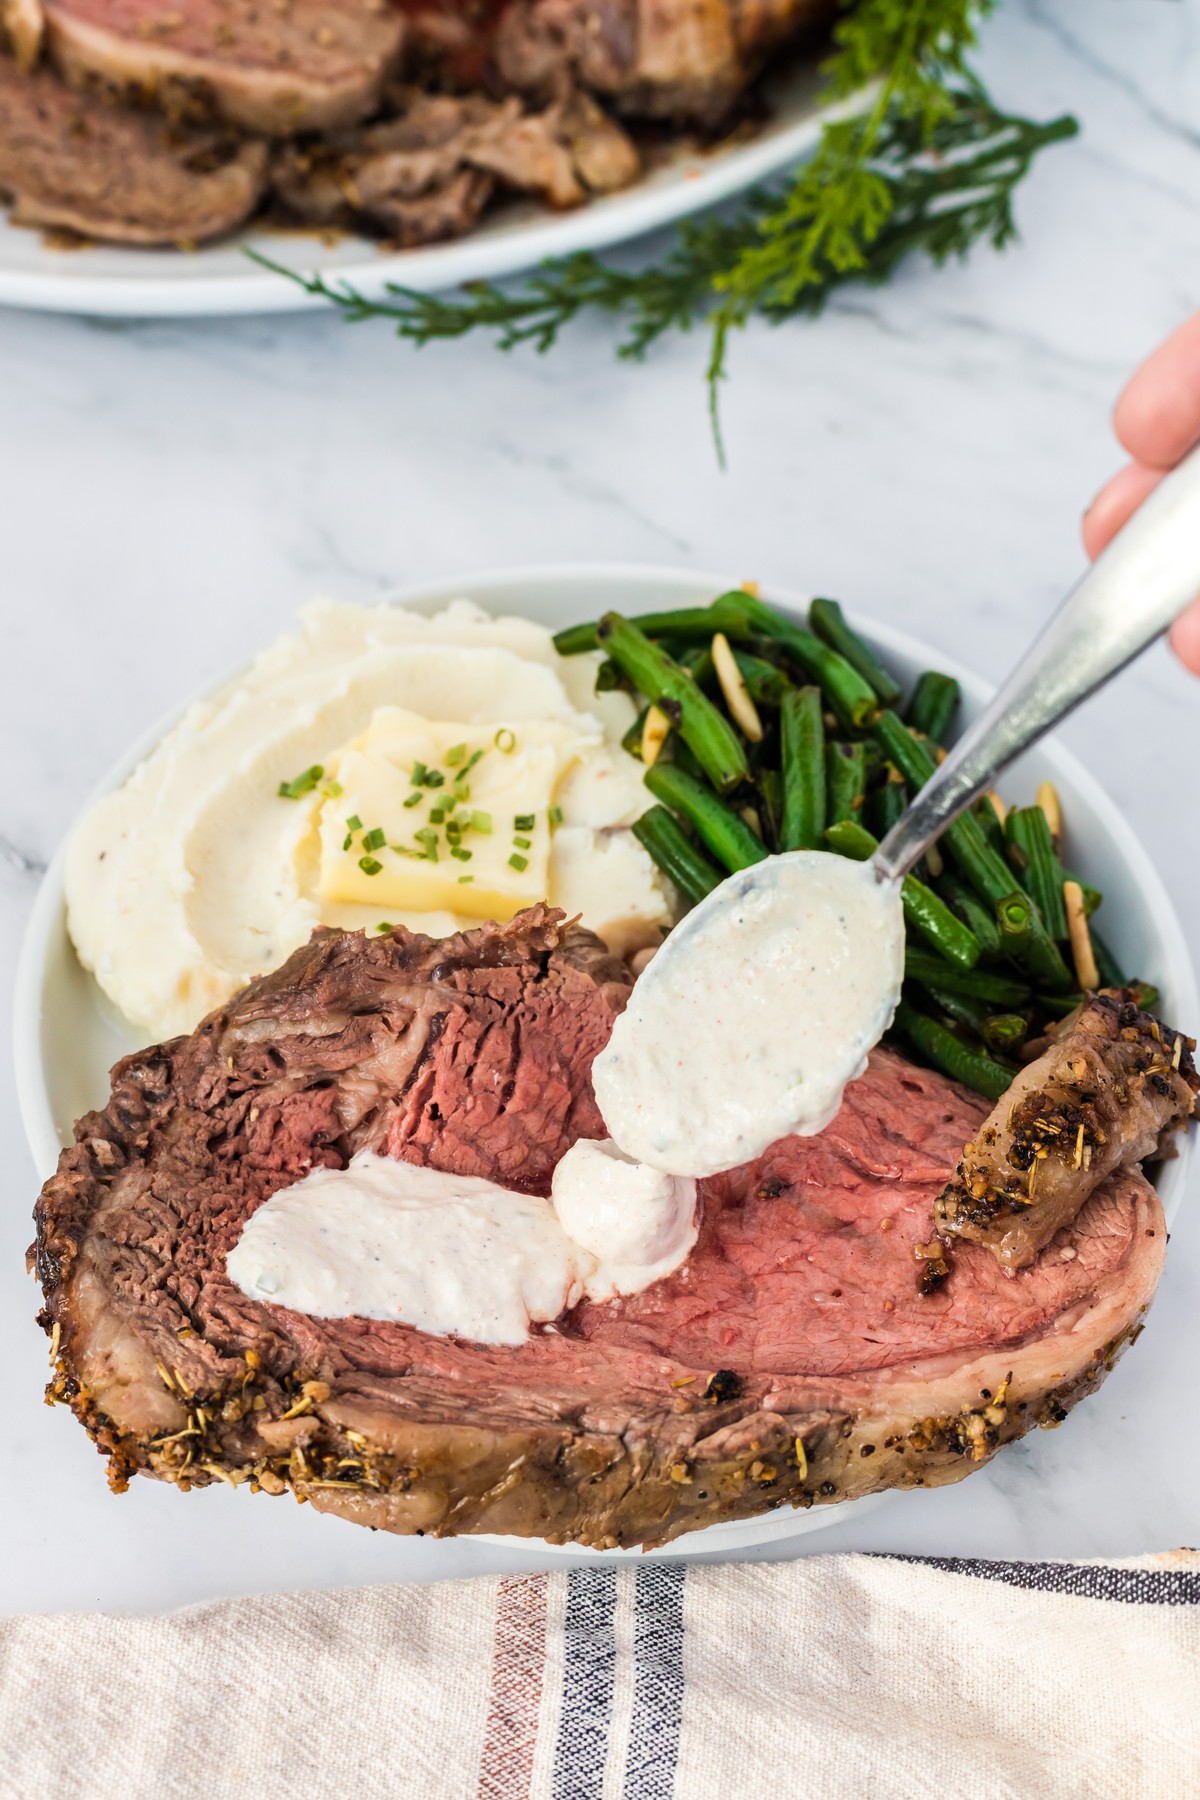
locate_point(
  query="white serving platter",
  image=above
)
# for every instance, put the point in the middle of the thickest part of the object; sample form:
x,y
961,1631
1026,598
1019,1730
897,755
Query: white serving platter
x,y
67,1034
221,279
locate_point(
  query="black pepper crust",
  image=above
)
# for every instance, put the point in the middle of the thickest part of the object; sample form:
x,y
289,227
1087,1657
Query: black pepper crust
x,y
1111,1091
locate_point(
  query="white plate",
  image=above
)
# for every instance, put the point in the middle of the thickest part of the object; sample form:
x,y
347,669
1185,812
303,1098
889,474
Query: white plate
x,y
67,1035
220,278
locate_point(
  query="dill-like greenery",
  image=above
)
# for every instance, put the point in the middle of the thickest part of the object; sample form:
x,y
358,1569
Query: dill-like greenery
x,y
927,164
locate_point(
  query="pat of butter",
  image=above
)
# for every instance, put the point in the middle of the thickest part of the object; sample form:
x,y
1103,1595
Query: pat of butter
x,y
491,777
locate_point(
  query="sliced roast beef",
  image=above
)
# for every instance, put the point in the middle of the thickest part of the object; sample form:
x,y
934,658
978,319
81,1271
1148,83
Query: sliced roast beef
x,y
790,1361
70,160
1111,1091
305,65
429,172
677,59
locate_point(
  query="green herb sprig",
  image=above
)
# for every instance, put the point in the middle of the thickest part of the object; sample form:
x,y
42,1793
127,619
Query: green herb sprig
x,y
928,164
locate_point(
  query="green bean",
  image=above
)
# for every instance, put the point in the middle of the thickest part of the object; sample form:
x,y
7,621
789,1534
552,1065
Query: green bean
x,y
684,622
1025,940
1057,1006
851,697
724,831
978,984
988,819
632,740
971,911
933,705
802,743
934,920
1028,833
828,622
1107,967
766,683
971,1013
986,871
948,1053
845,780
922,908
608,677
1005,1032
886,803
770,786
659,832
999,1031
704,729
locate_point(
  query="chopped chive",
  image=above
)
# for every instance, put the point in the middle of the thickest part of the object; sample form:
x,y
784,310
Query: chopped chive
x,y
333,790
457,753
434,778
481,822
437,814
524,821
555,817
407,850
429,839
523,843
462,789
354,823
505,741
419,772
375,839
415,799
469,765
347,840
300,784
384,925
519,863
460,854
463,879
369,866
454,831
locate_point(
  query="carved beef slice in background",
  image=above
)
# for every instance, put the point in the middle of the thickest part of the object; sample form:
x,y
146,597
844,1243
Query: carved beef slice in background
x,y
267,67
72,161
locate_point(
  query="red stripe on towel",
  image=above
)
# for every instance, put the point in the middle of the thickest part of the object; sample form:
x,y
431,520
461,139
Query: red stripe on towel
x,y
515,1699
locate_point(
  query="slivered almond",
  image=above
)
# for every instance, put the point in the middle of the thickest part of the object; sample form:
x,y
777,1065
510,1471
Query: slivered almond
x,y
733,686
1084,956
655,731
1051,805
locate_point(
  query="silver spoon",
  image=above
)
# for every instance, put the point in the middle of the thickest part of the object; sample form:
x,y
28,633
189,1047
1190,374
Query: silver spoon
x,y
1149,574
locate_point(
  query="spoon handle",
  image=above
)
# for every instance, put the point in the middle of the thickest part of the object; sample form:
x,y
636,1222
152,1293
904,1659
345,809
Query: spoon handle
x,y
1137,587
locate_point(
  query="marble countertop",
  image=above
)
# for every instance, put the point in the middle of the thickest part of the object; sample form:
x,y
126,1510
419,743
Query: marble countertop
x,y
172,493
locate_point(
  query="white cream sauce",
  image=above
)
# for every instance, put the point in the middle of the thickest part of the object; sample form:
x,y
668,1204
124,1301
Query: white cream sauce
x,y
754,1015
637,1223
449,1254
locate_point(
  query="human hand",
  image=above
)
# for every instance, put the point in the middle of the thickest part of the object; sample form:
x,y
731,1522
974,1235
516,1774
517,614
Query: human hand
x,y
1157,419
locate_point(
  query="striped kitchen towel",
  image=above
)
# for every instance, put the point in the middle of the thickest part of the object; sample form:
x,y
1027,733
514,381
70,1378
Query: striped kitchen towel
x,y
872,1678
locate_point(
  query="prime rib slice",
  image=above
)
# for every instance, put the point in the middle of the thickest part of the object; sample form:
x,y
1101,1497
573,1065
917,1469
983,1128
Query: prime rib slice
x,y
70,160
791,1361
687,60
429,173
1112,1089
307,65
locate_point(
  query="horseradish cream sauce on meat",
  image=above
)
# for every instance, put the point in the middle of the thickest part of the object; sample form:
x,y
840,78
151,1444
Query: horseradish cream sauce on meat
x,y
754,1015
456,1255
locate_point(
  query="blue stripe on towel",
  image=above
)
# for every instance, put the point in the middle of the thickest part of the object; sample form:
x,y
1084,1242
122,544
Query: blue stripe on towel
x,y
657,1681
588,1668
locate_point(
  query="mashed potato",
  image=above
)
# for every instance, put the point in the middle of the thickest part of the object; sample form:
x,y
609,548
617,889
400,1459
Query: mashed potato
x,y
443,769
